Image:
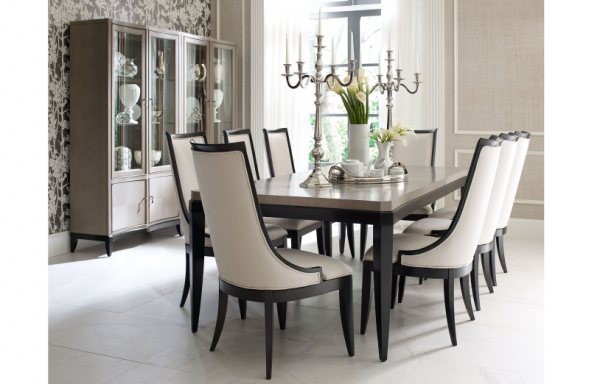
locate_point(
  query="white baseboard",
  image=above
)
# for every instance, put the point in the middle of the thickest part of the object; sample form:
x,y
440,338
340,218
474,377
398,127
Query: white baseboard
x,y
58,243
526,228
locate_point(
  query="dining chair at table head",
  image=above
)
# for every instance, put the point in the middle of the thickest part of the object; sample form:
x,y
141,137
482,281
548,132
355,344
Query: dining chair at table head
x,y
250,268
451,255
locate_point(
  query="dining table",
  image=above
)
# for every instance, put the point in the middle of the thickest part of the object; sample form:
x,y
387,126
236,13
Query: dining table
x,y
379,205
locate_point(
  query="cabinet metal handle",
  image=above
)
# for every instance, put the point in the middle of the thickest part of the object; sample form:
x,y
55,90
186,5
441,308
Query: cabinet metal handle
x,y
151,199
138,211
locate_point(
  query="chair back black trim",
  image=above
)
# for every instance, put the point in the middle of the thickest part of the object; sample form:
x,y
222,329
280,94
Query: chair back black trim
x,y
268,145
227,134
482,143
241,147
434,145
509,136
170,138
523,134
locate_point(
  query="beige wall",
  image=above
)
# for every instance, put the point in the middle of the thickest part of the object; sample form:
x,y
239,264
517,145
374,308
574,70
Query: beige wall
x,y
234,26
498,85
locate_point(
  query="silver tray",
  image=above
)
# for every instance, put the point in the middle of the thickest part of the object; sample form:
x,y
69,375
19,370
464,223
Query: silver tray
x,y
339,176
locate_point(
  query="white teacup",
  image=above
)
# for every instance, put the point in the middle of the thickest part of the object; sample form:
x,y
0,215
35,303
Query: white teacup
x,y
396,171
353,168
377,173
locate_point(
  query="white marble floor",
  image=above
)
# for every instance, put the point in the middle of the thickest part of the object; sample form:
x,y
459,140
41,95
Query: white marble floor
x,y
118,320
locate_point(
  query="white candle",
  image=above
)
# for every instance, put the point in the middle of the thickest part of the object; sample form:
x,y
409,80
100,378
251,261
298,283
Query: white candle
x,y
332,53
287,52
399,65
417,70
300,48
390,40
360,61
319,33
380,63
351,45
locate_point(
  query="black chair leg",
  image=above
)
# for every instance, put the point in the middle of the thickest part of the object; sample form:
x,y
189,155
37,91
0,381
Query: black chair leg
x,y
420,281
350,228
296,240
320,243
394,290
269,331
346,313
363,240
449,304
475,282
485,265
492,254
243,304
178,227
223,297
186,285
327,237
466,295
342,236
401,287
367,294
282,314
108,244
500,244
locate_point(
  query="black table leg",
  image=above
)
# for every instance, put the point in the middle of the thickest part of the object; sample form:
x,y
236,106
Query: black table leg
x,y
196,259
382,273
327,234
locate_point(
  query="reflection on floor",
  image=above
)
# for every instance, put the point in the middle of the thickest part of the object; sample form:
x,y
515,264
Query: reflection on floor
x,y
118,320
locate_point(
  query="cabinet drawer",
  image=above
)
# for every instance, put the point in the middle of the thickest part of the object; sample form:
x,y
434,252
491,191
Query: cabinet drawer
x,y
128,204
162,199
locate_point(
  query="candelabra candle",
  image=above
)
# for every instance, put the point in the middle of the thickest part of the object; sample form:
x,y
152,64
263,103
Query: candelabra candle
x,y
317,179
390,86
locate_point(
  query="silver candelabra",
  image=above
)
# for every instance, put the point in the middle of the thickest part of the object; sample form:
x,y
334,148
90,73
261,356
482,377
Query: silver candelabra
x,y
390,86
317,179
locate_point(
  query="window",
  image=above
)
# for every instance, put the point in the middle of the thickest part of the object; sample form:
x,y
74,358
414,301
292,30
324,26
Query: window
x,y
366,26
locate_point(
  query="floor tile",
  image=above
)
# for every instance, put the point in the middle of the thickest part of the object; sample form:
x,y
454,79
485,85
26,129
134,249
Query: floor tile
x,y
148,374
64,320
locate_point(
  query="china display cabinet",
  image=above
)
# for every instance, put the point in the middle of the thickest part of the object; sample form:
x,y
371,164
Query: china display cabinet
x,y
129,85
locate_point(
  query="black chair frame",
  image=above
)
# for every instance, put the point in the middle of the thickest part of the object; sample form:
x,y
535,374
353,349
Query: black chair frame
x,y
281,297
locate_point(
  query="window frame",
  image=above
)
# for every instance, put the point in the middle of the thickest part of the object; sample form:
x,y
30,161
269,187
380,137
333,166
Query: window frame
x,y
353,17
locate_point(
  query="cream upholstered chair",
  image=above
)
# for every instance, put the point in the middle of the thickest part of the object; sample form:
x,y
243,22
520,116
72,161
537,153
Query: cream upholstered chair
x,y
250,268
450,256
419,151
296,228
507,205
434,226
281,163
185,181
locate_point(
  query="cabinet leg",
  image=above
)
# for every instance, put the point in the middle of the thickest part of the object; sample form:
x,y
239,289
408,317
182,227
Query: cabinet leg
x,y
73,241
109,246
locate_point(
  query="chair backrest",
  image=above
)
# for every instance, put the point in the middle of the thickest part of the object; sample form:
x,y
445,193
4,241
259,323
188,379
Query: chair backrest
x,y
184,174
419,151
457,247
515,177
279,152
507,158
244,254
243,135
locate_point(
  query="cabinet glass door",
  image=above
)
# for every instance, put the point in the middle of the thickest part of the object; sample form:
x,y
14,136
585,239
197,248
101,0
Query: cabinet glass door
x,y
128,91
223,102
162,98
196,83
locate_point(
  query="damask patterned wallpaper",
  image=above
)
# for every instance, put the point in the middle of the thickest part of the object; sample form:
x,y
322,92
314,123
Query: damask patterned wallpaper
x,y
192,16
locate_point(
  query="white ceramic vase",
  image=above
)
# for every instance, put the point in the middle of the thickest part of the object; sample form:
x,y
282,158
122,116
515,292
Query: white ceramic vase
x,y
129,95
384,153
122,159
358,145
218,95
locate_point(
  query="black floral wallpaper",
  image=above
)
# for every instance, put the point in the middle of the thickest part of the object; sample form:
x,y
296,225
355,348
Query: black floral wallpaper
x,y
192,16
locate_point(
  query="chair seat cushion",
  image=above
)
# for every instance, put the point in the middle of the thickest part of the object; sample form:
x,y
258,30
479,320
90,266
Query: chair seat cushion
x,y
444,213
426,210
273,231
425,226
332,268
405,242
289,224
